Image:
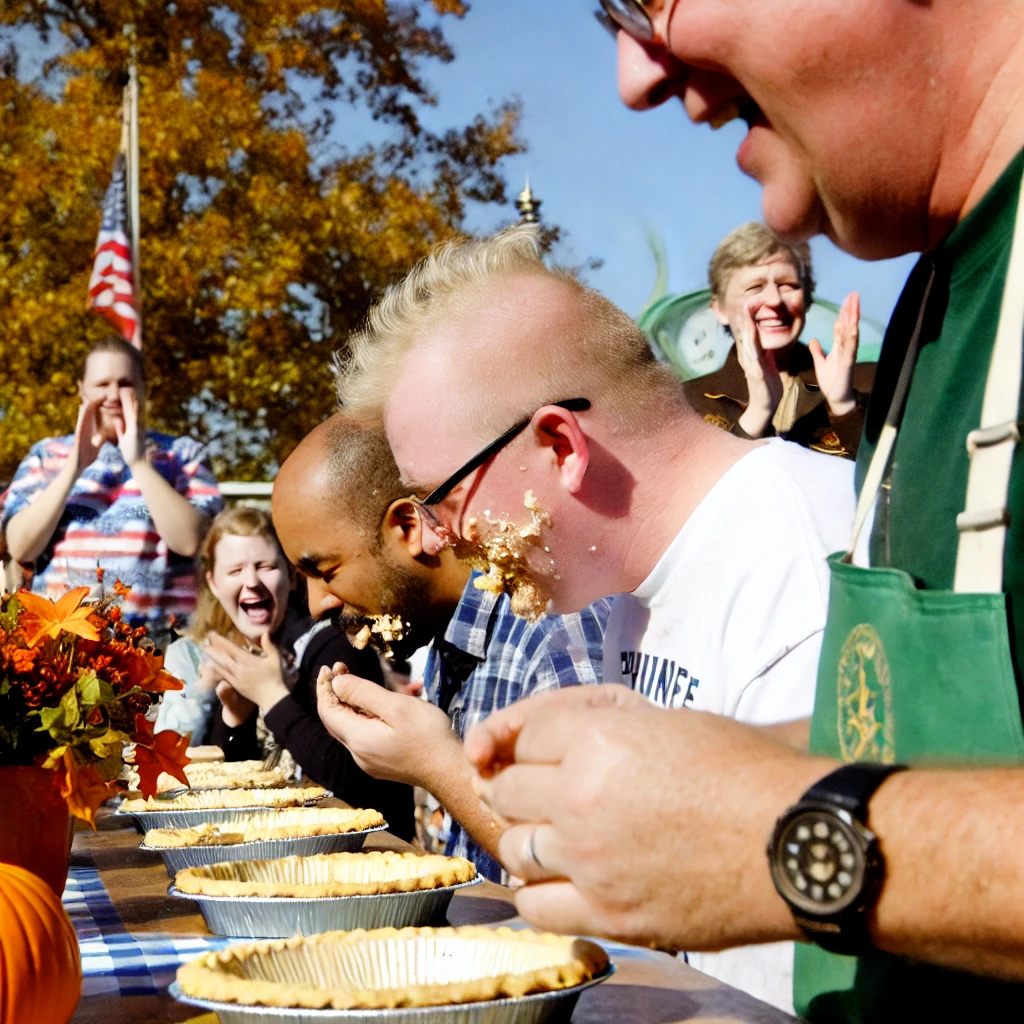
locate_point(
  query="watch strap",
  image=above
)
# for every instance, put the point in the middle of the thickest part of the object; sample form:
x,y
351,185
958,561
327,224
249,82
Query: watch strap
x,y
852,786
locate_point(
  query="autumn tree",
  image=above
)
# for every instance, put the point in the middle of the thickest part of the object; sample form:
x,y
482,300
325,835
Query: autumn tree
x,y
266,234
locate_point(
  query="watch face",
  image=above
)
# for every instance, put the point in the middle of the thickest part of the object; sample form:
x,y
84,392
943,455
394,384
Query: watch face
x,y
818,861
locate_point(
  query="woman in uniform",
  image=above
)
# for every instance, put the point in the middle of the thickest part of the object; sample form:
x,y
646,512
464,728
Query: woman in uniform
x,y
771,383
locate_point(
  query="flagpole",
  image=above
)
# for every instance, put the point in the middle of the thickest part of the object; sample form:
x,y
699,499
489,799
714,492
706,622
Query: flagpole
x,y
133,186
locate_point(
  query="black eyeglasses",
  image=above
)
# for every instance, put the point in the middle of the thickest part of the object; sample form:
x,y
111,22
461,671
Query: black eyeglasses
x,y
627,15
438,494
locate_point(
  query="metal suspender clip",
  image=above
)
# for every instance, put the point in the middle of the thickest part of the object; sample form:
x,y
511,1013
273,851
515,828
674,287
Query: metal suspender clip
x,y
988,437
984,520
985,437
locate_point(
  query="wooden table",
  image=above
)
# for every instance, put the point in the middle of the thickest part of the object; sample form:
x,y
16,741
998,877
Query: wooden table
x,y
648,987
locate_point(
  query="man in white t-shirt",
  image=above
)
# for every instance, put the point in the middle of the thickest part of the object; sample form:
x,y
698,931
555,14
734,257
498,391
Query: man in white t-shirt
x,y
541,435
730,618
730,621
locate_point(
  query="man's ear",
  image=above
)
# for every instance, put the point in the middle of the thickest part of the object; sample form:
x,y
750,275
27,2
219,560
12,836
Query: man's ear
x,y
407,529
558,429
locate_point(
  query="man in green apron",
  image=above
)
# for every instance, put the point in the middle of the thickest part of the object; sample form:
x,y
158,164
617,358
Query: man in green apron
x,y
891,126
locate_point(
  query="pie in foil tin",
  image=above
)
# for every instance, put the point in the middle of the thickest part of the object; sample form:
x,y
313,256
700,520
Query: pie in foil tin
x,y
469,975
213,805
265,835
309,895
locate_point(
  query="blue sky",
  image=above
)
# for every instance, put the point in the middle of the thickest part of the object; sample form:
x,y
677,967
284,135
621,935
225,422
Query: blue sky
x,y
604,172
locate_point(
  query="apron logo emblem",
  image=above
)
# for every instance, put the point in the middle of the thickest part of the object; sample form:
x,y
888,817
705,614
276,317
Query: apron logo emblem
x,y
864,698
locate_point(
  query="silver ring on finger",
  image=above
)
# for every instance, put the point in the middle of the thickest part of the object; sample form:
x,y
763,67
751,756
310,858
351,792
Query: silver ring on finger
x,y
531,849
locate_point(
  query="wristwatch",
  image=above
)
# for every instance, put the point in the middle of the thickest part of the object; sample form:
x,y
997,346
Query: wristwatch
x,y
826,863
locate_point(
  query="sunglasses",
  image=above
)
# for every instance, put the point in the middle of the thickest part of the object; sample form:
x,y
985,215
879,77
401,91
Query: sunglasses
x,y
438,494
627,16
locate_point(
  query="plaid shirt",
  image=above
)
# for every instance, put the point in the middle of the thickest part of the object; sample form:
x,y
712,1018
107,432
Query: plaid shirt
x,y
105,523
503,658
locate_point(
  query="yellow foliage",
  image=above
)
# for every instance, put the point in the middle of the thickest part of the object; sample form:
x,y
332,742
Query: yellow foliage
x,y
264,238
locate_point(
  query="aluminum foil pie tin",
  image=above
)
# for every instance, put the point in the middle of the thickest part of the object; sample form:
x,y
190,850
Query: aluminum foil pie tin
x,y
145,820
541,1008
280,917
178,858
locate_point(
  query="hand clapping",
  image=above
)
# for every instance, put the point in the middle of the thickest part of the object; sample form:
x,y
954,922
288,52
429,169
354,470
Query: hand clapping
x,y
257,678
131,436
88,439
834,372
764,384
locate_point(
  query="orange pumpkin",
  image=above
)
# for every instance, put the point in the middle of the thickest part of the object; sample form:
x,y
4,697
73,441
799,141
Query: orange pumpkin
x,y
40,968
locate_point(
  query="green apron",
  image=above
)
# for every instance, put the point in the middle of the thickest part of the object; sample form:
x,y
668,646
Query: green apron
x,y
924,676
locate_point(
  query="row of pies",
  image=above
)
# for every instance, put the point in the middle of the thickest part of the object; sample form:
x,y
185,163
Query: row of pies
x,y
225,799
254,826
372,969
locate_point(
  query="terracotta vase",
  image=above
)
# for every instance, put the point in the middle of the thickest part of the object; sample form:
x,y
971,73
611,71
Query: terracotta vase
x,y
35,826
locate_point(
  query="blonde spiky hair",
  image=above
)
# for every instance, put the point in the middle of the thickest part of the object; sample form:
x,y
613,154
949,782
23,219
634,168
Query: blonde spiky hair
x,y
605,353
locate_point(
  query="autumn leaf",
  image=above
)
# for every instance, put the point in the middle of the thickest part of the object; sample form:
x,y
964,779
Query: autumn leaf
x,y
55,757
164,752
111,742
41,617
83,789
61,719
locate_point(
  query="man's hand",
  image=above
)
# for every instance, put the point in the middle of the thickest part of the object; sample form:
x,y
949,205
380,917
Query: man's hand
x,y
391,735
131,438
651,825
88,440
256,677
30,530
835,371
764,385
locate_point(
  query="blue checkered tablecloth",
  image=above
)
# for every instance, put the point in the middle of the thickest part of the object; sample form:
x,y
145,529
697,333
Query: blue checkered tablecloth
x,y
113,960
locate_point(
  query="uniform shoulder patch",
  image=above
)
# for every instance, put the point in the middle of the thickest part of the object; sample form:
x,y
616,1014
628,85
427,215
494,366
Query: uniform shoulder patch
x,y
718,421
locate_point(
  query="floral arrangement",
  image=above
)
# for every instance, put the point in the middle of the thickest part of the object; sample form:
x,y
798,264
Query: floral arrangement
x,y
76,683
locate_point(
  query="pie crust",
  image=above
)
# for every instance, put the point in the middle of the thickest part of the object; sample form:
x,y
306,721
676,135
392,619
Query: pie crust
x,y
219,775
388,967
205,754
214,799
289,823
327,875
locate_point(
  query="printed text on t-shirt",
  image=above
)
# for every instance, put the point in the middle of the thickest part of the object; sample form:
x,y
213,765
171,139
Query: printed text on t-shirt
x,y
660,680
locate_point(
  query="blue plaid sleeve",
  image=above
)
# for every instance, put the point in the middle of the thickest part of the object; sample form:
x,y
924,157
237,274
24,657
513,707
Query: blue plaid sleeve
x,y
571,652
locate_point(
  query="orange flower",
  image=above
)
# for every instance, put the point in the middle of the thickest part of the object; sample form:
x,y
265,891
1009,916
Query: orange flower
x,y
125,666
120,589
41,617
24,660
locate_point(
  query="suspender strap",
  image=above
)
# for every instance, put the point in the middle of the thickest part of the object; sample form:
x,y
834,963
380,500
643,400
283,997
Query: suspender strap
x,y
879,464
985,518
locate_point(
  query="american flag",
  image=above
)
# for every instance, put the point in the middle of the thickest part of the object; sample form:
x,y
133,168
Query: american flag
x,y
112,287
